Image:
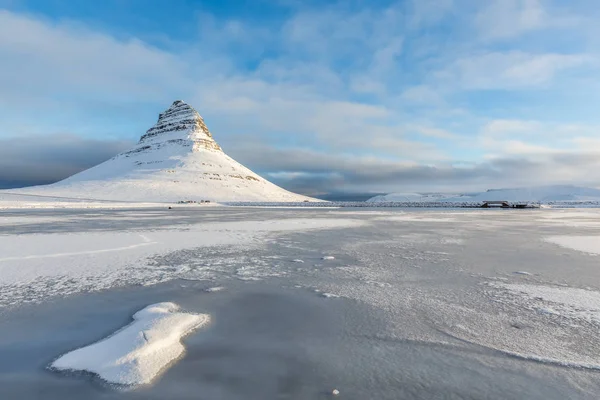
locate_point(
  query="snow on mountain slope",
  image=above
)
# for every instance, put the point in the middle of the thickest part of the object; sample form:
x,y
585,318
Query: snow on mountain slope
x,y
177,159
542,194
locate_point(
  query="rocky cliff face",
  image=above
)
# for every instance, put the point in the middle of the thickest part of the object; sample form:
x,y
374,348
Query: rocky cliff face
x,y
179,125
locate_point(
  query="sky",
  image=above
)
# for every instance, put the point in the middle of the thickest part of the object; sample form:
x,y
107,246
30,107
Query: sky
x,y
320,97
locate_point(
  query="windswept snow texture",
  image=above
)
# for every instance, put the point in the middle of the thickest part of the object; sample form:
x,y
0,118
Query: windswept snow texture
x,y
176,160
586,244
540,194
34,266
136,354
572,302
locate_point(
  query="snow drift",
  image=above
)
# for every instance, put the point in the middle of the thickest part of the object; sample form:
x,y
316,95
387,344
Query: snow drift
x,y
175,160
137,353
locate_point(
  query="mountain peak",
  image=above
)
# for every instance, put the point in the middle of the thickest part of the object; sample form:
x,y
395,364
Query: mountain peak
x,y
180,125
175,160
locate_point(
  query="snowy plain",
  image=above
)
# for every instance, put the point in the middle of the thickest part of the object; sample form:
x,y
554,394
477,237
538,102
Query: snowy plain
x,y
382,303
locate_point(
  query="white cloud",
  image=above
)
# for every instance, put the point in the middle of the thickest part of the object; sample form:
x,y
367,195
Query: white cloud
x,y
539,141
508,18
509,70
508,127
588,143
547,131
422,94
44,58
435,132
427,12
367,84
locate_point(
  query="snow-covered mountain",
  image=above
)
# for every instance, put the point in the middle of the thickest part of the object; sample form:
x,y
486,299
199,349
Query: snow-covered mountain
x,y
175,160
411,197
540,194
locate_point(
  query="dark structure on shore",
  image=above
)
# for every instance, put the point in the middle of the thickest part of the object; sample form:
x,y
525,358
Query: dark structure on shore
x,y
502,204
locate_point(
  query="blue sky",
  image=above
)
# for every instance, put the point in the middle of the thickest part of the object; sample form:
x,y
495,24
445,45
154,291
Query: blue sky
x,y
354,96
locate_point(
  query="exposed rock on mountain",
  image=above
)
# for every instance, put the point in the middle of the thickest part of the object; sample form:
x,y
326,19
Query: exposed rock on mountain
x,y
179,118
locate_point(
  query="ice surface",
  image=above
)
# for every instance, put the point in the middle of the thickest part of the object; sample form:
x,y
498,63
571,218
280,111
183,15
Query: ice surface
x,y
137,353
11,200
586,244
417,218
215,289
34,266
441,297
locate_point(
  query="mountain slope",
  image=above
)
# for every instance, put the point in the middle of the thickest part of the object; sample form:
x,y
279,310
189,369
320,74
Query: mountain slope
x,y
177,159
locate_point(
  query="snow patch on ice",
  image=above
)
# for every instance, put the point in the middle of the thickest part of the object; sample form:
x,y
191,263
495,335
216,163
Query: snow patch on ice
x,y
450,240
137,353
416,218
586,244
547,311
569,302
215,289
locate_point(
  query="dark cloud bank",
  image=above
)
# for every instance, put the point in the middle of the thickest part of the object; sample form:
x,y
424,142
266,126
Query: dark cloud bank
x,y
330,174
41,160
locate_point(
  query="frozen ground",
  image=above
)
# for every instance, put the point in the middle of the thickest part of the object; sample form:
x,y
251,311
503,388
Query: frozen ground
x,y
13,201
385,304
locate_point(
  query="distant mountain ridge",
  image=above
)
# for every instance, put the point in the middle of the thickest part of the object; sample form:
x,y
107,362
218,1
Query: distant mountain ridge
x,y
177,159
538,194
